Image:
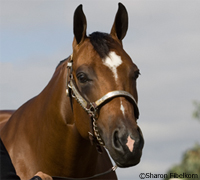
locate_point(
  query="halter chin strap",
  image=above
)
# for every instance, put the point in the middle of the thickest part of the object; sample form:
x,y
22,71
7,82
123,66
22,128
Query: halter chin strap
x,y
92,107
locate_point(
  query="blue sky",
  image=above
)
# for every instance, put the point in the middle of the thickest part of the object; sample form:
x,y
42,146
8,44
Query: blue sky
x,y
163,39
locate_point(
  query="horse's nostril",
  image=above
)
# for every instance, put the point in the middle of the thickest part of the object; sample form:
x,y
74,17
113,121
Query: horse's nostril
x,y
116,139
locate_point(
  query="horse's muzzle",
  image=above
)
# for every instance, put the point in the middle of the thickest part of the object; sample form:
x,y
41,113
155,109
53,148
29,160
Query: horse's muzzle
x,y
126,147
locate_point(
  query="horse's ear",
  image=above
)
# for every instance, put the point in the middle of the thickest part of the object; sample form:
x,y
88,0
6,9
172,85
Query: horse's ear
x,y
120,25
80,25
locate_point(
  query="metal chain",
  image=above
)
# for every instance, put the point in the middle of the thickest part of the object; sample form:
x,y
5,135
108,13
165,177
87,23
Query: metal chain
x,y
96,133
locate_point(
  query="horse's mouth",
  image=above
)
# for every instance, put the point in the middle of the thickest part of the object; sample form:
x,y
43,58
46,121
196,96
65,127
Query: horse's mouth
x,y
127,159
126,150
126,165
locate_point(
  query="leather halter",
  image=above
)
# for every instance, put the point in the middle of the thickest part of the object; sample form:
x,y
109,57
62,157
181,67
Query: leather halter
x,y
92,109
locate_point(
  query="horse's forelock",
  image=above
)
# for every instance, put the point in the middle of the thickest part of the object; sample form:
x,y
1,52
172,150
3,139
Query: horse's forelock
x,y
102,43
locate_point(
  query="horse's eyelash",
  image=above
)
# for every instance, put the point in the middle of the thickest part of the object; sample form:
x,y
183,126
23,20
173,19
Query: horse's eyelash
x,y
137,74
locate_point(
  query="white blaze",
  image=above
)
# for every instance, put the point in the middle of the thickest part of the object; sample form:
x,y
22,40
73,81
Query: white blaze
x,y
122,108
113,61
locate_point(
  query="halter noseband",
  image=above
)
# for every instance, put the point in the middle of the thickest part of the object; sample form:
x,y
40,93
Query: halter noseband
x,y
92,107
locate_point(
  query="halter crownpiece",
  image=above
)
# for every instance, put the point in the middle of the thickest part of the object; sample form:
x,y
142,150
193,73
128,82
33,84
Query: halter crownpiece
x,y
92,107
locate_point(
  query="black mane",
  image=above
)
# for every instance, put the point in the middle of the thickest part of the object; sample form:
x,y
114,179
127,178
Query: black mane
x,y
61,62
102,43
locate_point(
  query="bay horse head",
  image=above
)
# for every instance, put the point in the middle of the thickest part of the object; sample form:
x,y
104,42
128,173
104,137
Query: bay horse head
x,y
102,79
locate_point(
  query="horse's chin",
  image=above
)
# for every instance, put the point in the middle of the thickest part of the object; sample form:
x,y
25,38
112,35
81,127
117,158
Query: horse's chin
x,y
125,161
128,163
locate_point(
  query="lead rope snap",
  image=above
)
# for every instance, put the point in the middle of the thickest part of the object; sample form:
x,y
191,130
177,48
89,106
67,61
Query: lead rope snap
x,y
114,167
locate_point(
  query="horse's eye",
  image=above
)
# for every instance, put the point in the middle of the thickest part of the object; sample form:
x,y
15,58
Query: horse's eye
x,y
137,74
82,77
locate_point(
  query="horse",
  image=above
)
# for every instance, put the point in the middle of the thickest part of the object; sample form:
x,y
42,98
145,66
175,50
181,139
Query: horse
x,y
87,110
4,116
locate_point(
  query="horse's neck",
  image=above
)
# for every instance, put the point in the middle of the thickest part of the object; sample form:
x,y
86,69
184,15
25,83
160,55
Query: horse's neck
x,y
68,148
45,126
54,97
